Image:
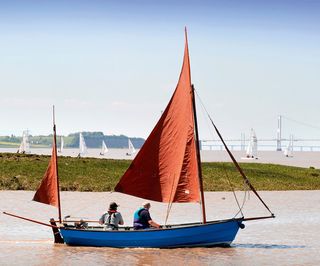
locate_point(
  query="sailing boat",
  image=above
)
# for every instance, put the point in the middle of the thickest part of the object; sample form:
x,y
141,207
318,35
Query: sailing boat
x,y
82,146
25,145
288,152
48,191
132,150
104,148
167,169
252,149
61,144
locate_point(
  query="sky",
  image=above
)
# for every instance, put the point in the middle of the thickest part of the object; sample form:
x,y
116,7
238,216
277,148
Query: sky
x,y
112,66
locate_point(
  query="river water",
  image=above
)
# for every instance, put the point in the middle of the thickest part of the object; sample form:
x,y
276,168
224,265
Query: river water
x,y
292,238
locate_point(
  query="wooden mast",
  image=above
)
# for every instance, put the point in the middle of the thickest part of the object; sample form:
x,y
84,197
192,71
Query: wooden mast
x,y
56,159
204,219
202,202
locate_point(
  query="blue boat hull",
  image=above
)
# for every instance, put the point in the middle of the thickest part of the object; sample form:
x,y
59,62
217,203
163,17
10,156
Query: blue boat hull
x,y
210,234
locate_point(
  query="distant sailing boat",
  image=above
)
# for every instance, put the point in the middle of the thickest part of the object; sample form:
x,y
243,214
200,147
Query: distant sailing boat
x,y
61,144
288,152
25,145
131,148
166,169
104,148
252,149
82,146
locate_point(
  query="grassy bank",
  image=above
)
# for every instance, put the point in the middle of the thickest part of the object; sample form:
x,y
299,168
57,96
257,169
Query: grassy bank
x,y
24,172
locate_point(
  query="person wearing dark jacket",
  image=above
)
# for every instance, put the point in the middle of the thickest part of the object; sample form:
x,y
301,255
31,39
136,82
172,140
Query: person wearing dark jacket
x,y
142,218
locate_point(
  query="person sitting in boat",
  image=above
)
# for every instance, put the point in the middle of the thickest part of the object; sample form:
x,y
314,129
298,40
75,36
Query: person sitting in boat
x,y
142,218
112,218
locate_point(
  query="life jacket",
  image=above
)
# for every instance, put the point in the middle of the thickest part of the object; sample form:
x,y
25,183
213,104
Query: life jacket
x,y
136,215
108,221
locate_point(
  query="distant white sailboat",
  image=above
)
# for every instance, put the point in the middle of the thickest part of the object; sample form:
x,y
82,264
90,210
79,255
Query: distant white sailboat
x,y
61,144
104,148
288,152
82,146
132,150
25,145
252,149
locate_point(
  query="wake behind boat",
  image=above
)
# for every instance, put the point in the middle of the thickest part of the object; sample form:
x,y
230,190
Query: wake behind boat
x,y
167,169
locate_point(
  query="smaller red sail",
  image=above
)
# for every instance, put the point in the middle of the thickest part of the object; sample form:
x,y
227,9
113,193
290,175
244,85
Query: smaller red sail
x,y
48,191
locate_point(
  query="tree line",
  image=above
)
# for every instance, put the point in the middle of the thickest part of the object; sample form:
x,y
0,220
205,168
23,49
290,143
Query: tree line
x,y
92,139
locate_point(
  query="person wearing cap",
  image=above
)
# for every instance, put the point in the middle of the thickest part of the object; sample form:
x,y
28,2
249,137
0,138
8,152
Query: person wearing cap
x,y
142,218
112,218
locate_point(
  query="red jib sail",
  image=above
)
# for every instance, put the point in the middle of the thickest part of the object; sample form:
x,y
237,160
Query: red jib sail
x,y
48,191
165,169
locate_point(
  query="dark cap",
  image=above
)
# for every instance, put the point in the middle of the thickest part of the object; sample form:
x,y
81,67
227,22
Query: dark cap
x,y
113,206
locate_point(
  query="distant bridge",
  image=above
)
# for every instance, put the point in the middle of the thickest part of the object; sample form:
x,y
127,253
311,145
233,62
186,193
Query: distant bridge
x,y
263,144
272,144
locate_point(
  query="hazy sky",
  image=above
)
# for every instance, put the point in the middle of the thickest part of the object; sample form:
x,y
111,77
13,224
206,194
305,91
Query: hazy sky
x,y
112,66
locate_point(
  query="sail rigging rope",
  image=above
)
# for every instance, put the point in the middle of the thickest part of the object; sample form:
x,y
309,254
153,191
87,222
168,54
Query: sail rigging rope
x,y
246,192
233,159
223,166
169,203
234,194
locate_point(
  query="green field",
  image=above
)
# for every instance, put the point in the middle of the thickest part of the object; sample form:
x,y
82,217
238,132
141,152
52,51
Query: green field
x,y
24,172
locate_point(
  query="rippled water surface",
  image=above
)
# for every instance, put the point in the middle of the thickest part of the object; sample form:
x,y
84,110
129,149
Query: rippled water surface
x,y
290,239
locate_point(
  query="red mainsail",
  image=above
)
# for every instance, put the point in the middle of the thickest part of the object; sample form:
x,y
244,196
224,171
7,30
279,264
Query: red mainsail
x,y
165,169
48,191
